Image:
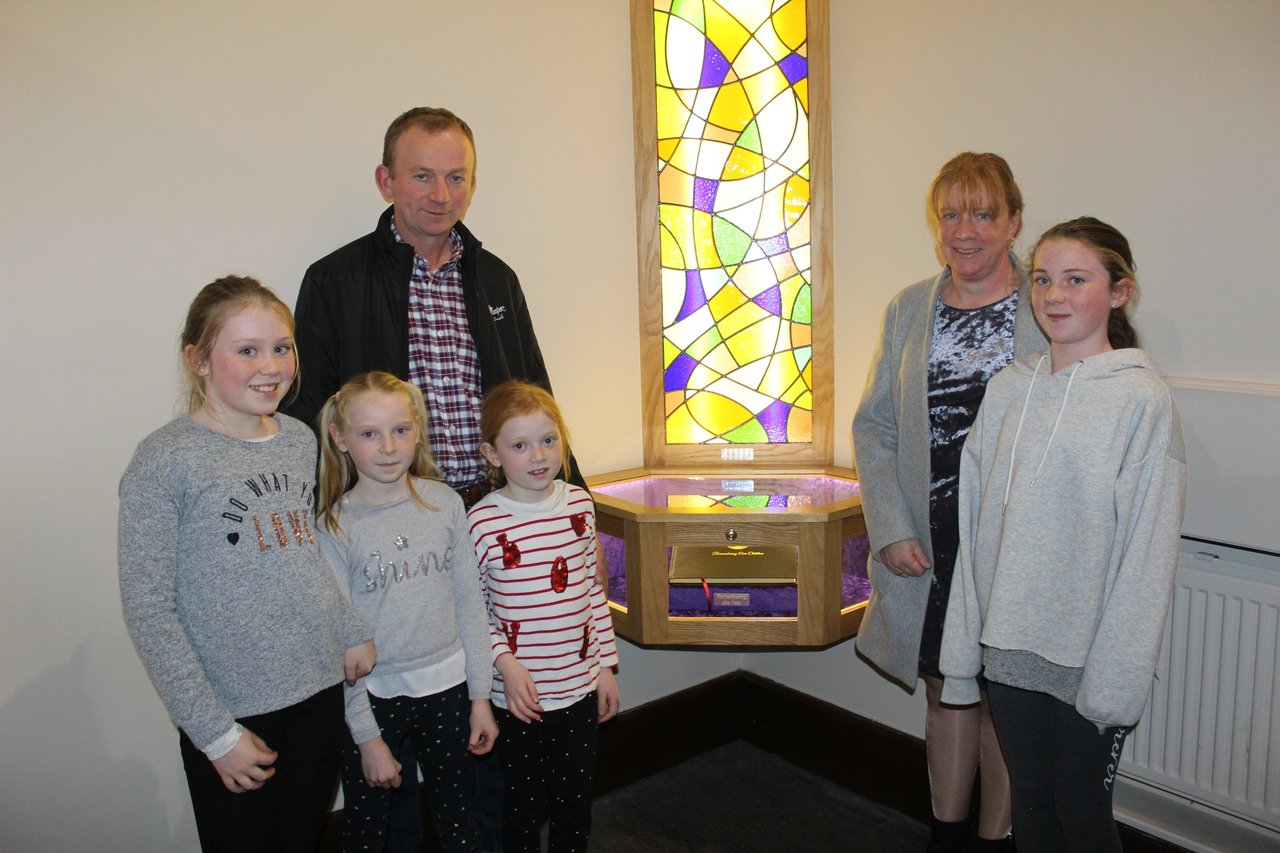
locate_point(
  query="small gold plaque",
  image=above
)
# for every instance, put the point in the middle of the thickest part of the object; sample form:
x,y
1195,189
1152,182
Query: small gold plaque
x,y
734,564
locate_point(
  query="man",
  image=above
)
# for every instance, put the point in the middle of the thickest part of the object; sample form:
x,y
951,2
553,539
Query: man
x,y
420,297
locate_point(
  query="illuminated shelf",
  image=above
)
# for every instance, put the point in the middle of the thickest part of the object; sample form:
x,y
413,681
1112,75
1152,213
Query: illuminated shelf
x,y
811,517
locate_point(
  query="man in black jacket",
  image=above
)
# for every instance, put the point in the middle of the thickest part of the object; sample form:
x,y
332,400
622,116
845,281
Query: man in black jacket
x,y
419,297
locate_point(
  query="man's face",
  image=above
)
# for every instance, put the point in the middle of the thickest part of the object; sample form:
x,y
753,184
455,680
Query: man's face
x,y
431,182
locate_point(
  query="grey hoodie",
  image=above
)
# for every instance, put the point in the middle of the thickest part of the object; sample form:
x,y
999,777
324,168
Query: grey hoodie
x,y
1072,488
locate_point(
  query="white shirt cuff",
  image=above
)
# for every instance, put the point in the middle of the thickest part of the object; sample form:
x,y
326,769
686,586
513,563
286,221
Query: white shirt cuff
x,y
224,744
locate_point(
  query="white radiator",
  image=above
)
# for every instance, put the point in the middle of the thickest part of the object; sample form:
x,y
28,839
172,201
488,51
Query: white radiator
x,y
1211,730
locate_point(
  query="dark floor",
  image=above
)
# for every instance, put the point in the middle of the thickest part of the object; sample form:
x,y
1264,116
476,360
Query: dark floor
x,y
861,786
738,799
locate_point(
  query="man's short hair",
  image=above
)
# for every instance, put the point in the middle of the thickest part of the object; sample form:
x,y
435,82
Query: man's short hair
x,y
427,119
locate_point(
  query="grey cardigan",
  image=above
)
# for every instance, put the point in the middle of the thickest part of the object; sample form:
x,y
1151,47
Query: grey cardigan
x,y
891,451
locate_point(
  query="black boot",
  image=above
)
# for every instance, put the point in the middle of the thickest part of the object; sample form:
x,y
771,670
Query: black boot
x,y
949,836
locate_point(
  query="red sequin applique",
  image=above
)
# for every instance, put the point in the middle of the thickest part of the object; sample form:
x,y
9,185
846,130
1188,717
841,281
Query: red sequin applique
x,y
510,552
512,630
560,574
579,522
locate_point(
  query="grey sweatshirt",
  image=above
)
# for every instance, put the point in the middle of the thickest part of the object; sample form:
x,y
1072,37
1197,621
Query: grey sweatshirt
x,y
1069,543
411,573
226,595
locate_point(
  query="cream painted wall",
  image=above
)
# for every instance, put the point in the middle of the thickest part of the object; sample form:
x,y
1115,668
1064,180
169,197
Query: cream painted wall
x,y
1162,118
149,147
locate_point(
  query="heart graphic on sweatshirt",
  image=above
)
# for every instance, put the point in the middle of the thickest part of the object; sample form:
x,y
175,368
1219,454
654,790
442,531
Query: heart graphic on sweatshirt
x,y
579,522
233,538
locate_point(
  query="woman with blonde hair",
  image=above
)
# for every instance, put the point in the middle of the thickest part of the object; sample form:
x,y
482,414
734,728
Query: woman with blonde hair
x,y
942,339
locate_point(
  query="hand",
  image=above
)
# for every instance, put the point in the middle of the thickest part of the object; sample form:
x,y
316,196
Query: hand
x,y
607,694
484,728
247,766
359,661
905,558
380,768
518,687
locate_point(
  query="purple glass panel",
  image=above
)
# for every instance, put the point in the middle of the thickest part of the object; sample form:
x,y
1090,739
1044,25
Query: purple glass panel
x,y
775,245
771,301
794,67
694,297
615,555
854,585
704,194
657,491
676,376
774,420
714,66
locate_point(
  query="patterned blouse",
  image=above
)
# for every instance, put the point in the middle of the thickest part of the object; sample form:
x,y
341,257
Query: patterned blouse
x,y
970,345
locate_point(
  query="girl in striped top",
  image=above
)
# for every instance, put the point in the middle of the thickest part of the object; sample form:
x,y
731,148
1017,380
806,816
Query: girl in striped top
x,y
553,643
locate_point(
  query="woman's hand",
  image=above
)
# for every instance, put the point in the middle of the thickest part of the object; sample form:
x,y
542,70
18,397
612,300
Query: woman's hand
x,y
905,558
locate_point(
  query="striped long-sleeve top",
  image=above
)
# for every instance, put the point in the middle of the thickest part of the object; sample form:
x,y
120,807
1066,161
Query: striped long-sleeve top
x,y
538,573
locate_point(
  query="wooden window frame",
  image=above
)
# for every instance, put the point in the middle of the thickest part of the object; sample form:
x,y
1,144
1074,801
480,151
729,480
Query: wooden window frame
x,y
657,452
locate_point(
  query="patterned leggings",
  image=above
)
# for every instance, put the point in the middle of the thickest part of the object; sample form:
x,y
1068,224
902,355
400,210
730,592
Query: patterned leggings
x,y
439,726
550,768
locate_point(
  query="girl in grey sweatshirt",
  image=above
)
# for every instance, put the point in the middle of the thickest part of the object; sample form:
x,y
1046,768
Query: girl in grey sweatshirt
x,y
398,541
232,607
1072,487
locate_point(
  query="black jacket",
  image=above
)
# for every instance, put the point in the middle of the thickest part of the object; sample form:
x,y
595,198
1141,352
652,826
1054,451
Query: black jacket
x,y
353,316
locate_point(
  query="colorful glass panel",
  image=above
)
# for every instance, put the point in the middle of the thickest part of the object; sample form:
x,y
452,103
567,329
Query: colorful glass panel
x,y
733,214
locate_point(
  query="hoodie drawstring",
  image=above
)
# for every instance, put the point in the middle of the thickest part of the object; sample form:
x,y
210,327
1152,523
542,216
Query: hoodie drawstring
x,y
1022,417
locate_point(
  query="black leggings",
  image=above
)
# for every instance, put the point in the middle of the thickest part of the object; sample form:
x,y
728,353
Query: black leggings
x,y
288,812
1062,772
549,767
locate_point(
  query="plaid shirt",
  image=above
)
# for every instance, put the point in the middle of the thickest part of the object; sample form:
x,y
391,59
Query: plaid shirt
x,y
444,364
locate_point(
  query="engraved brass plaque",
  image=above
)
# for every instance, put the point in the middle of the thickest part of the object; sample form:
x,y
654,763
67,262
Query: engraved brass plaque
x,y
734,564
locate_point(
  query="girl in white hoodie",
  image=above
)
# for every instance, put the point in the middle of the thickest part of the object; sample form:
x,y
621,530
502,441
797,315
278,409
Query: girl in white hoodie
x,y
1072,487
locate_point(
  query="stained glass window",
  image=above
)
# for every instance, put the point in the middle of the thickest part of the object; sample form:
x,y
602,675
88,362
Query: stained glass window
x,y
734,220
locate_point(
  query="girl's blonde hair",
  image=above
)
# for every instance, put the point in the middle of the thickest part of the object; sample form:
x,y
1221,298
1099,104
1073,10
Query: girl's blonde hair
x,y
215,304
512,399
337,471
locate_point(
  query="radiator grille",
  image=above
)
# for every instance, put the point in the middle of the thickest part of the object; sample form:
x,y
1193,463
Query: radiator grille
x,y
1211,731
